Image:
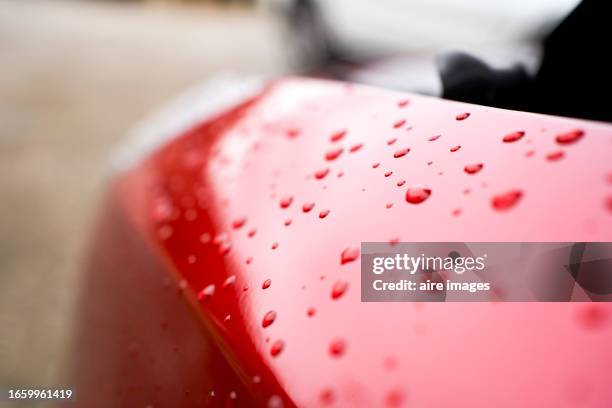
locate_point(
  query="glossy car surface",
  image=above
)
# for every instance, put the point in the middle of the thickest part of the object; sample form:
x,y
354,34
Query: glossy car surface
x,y
225,270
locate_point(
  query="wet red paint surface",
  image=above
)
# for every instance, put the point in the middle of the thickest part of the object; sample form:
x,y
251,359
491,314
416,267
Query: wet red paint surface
x,y
200,223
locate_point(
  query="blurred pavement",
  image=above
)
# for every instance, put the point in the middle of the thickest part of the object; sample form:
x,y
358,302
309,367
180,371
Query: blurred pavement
x,y
74,76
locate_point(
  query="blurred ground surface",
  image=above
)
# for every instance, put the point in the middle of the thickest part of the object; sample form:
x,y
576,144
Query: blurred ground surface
x,y
74,76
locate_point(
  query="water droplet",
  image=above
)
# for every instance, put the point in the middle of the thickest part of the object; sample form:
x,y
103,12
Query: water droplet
x,y
375,165
277,348
592,316
388,205
513,137
311,312
293,133
288,222
191,259
164,232
456,212
391,141
434,138
401,152
339,289
530,153
205,238
256,379
609,203
327,396
349,255
455,148
416,195
182,285
225,248
337,136
268,319
307,207
555,156
473,168
266,284
249,260
229,281
286,201
239,223
403,102
388,173
274,245
394,241
220,238
394,398
401,183
162,209
252,233
390,363
340,173
570,137
333,154
320,174
275,402
506,200
227,318
323,213
207,292
463,116
399,123
355,147
337,348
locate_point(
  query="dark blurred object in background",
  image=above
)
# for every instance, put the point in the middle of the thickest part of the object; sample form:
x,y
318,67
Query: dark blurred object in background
x,y
539,56
575,77
469,79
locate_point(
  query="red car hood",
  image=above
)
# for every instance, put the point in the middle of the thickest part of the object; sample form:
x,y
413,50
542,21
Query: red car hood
x,y
226,266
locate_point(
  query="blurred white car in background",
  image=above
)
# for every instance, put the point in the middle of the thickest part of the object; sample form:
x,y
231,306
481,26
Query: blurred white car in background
x,y
410,33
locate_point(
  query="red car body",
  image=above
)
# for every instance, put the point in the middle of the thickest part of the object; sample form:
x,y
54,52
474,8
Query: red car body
x,y
225,268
